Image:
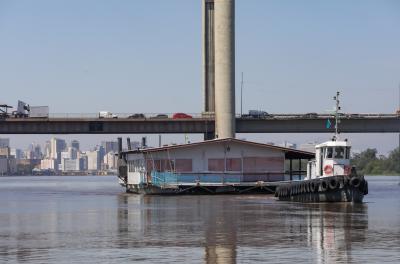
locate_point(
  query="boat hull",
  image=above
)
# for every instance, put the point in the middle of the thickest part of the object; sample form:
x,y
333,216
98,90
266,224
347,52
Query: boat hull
x,y
327,189
200,189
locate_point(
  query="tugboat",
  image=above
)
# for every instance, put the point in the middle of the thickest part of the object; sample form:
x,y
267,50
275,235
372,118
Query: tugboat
x,y
330,178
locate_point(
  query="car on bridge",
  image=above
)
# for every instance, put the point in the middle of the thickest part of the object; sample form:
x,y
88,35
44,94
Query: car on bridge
x,y
181,116
257,114
310,115
160,116
137,116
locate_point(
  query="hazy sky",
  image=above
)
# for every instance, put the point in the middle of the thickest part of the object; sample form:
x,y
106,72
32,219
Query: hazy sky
x,y
145,56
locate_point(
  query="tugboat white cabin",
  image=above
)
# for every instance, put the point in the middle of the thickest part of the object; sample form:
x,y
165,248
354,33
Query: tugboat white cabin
x,y
331,158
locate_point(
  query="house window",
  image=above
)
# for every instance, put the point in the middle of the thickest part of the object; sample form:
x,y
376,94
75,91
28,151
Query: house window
x,y
216,164
183,165
234,164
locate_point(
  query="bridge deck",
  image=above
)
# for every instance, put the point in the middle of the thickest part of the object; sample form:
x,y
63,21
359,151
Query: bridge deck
x,y
375,124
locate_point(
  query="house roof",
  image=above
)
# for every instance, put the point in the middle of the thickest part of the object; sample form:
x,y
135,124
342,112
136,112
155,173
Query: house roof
x,y
289,153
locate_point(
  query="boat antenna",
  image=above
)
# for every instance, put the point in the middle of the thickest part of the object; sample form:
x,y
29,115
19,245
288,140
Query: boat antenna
x,y
337,121
241,97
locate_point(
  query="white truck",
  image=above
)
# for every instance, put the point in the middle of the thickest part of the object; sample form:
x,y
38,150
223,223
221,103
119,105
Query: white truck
x,y
24,110
106,114
39,112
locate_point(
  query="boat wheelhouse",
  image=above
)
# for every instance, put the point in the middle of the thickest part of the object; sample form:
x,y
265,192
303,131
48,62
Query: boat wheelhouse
x,y
331,158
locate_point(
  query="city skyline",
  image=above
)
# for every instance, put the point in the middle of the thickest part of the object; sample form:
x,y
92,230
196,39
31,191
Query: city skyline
x,y
56,155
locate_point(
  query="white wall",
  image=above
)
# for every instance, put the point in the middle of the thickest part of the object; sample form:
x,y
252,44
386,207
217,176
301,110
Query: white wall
x,y
201,153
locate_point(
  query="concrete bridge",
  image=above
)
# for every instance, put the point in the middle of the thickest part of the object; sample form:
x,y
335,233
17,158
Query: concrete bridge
x,y
206,126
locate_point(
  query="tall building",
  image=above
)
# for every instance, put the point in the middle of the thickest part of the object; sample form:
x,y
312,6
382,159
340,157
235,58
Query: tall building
x,y
75,144
36,150
110,160
110,146
7,162
83,162
101,151
5,152
4,142
47,150
28,154
17,153
73,152
70,164
48,164
56,147
93,160
7,165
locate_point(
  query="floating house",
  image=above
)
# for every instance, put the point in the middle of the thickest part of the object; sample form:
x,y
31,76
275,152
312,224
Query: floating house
x,y
216,166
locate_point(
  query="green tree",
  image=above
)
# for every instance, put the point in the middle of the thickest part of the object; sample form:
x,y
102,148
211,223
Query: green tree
x,y
367,162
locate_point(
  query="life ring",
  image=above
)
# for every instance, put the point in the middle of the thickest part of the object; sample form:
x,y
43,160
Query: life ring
x,y
328,169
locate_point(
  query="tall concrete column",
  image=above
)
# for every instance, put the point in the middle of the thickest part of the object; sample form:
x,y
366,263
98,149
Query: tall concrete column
x,y
224,15
208,57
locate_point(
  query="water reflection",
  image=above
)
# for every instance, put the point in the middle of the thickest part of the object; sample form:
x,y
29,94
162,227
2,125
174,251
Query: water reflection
x,y
333,228
232,229
88,221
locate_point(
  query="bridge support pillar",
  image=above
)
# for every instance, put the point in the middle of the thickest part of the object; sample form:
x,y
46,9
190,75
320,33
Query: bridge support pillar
x,y
208,57
225,68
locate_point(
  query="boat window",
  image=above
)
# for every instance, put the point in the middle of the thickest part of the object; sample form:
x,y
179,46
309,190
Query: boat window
x,y
347,153
329,152
339,152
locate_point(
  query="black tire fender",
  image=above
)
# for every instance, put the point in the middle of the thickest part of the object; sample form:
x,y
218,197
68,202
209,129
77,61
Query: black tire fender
x,y
333,183
324,186
355,182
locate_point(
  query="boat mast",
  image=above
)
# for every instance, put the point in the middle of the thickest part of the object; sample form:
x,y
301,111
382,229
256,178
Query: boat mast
x,y
337,121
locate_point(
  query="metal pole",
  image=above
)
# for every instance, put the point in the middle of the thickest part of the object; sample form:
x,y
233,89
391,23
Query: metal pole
x,y
300,172
128,142
119,147
336,98
241,97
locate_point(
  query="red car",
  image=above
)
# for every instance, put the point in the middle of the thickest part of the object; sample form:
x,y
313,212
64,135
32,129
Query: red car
x,y
181,115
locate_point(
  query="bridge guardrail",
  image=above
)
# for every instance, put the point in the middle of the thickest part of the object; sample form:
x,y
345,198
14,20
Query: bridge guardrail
x,y
211,116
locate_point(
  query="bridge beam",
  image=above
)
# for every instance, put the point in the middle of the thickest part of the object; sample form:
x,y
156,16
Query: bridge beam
x,y
204,126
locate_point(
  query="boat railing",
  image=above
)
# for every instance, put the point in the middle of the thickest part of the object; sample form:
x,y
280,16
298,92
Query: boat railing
x,y
168,179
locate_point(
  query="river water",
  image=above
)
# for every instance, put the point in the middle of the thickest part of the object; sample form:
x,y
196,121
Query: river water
x,y
92,220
